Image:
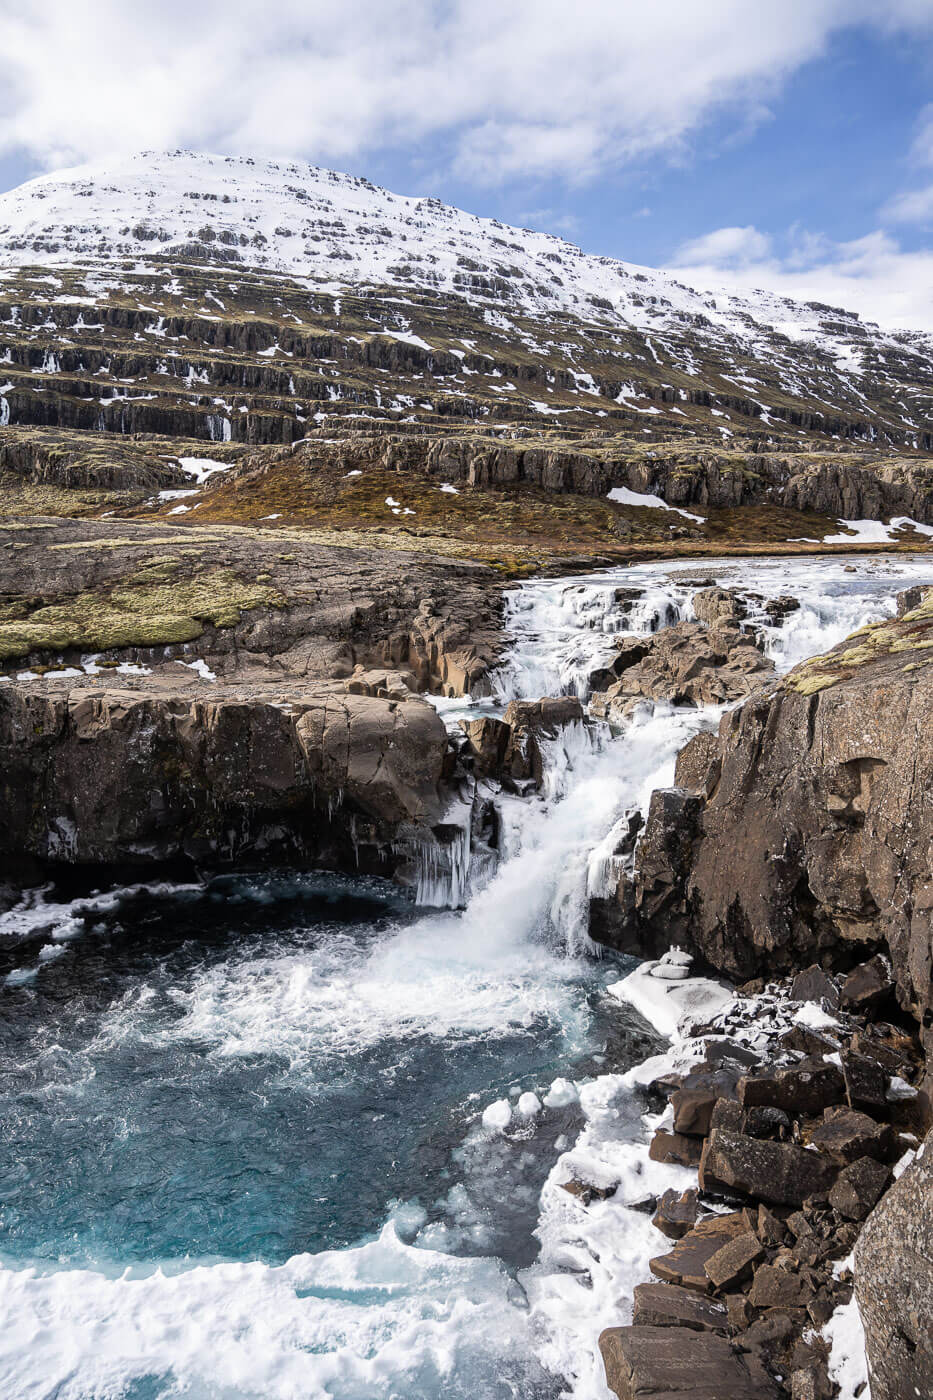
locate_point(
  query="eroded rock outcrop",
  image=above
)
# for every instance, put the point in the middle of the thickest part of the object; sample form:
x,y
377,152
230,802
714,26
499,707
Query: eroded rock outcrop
x,y
687,664
162,772
210,695
510,749
806,832
851,487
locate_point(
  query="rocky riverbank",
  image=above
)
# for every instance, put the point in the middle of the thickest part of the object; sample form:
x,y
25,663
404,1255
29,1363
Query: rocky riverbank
x,y
798,833
798,1106
802,829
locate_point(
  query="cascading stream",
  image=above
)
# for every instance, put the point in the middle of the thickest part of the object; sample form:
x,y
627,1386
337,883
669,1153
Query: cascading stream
x,y
244,1147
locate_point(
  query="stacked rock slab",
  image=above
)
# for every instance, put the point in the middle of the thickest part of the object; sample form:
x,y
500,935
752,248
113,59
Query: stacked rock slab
x,y
788,1172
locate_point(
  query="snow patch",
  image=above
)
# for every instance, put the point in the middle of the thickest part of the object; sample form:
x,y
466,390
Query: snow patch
x,y
624,497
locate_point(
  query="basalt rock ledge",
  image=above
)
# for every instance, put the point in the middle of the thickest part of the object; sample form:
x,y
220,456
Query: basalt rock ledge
x,y
802,832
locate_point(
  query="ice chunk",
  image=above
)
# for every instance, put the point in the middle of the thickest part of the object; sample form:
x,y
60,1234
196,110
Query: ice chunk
x,y
561,1094
498,1116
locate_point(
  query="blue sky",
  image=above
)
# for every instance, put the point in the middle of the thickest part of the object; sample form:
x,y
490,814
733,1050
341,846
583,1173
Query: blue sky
x,y
832,148
783,143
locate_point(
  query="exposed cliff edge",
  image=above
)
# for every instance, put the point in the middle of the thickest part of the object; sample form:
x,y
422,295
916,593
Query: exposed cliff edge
x,y
163,771
803,830
712,477
207,697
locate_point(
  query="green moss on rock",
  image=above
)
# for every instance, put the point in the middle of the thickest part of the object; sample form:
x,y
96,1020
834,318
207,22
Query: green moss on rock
x,y
156,606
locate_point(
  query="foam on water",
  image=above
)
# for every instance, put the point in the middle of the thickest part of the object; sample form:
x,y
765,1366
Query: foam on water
x,y
381,1319
490,1003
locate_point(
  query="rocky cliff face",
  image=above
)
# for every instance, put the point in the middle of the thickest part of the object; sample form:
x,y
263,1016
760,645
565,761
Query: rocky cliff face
x,y
211,696
802,832
894,1284
852,485
166,772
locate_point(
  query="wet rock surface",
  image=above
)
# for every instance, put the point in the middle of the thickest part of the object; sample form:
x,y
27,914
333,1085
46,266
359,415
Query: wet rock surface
x,y
509,749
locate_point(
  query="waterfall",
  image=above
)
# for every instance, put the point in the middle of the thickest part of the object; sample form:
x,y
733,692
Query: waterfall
x,y
219,427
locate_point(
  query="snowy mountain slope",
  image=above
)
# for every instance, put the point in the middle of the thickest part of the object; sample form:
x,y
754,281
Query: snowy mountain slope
x,y
343,231
488,322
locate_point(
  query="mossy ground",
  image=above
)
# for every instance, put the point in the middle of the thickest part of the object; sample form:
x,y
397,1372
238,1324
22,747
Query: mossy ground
x,y
166,601
19,498
517,529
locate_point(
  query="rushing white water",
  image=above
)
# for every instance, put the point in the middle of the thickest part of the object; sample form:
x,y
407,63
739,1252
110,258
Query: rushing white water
x,y
426,1306
562,629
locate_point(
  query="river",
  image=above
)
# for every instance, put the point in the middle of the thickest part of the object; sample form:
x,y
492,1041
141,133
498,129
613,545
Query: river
x,y
290,1136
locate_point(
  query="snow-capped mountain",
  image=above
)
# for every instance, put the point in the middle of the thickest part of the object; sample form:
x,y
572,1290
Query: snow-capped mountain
x,y
342,231
150,254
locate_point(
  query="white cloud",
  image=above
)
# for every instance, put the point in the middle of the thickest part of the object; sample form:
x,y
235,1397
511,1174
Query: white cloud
x,y
873,275
726,247
554,220
915,206
912,207
525,89
923,143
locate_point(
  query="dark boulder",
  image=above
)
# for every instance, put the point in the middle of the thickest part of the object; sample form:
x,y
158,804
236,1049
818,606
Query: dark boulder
x,y
779,1172
487,741
716,605
734,1261
859,1187
767,1122
676,1213
675,1147
846,1134
814,985
866,1082
866,987
804,1088
665,1362
664,1305
694,1101
685,1264
778,1288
